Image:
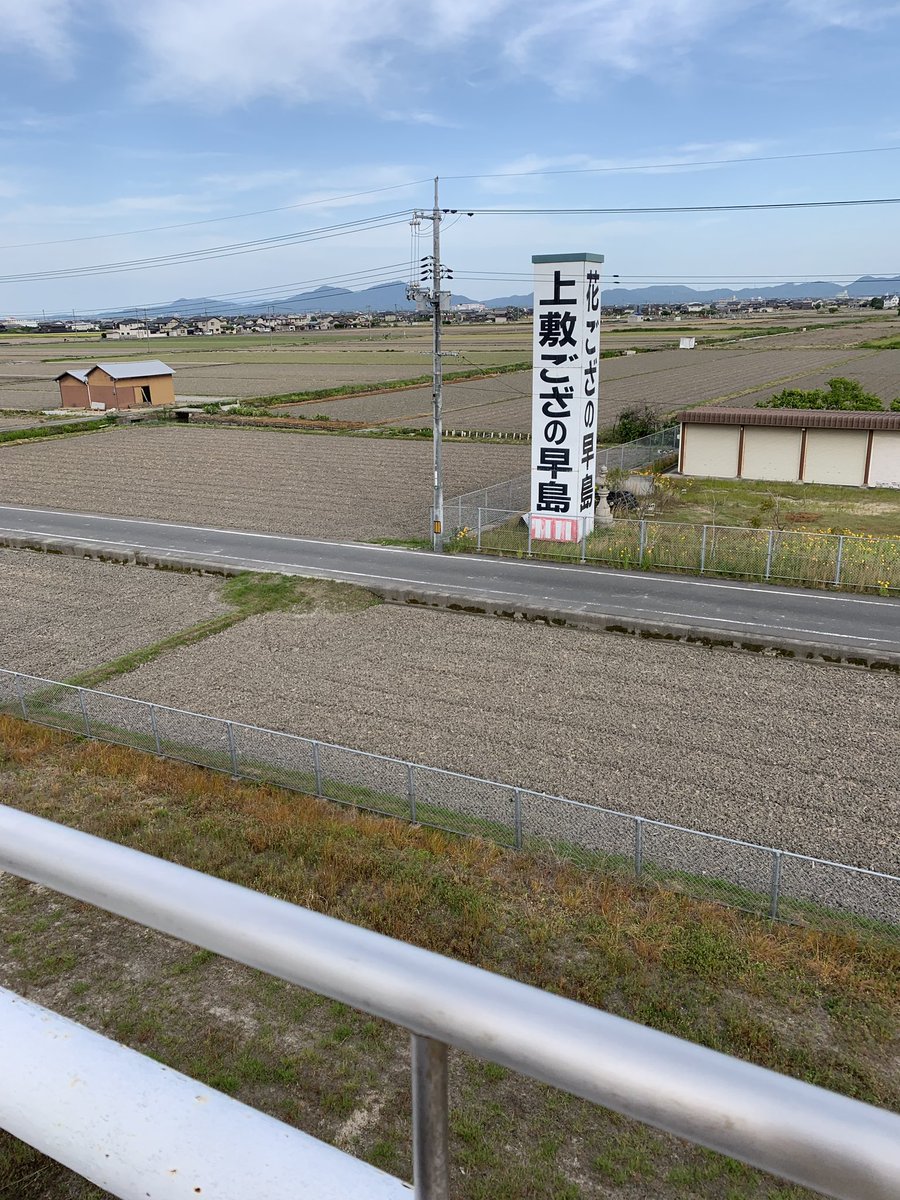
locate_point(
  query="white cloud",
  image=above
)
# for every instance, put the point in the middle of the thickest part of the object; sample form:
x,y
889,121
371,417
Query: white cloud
x,y
43,27
845,14
225,53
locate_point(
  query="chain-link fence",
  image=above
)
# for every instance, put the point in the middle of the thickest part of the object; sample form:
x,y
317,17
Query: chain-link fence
x,y
760,879
858,563
460,512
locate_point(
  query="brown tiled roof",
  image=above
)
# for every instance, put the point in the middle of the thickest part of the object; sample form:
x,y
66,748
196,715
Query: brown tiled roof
x,y
796,418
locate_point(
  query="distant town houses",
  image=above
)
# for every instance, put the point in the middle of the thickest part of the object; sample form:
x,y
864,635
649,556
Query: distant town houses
x,y
143,327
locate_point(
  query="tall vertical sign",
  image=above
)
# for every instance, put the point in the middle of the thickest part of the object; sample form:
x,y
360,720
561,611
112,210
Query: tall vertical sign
x,y
565,387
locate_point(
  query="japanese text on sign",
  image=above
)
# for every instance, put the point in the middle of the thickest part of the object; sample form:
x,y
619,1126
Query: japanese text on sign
x,y
565,385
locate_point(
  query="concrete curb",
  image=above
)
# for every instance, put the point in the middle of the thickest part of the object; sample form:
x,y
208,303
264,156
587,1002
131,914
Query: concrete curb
x,y
571,618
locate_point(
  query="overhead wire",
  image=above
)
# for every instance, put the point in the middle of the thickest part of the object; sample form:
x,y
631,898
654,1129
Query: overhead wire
x,y
708,162
367,224
96,237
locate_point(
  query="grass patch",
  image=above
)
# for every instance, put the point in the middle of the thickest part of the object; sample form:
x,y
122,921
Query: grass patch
x,y
60,429
808,506
818,1006
249,594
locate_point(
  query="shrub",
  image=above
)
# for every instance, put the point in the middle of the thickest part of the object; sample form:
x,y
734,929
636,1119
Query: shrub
x,y
633,423
841,394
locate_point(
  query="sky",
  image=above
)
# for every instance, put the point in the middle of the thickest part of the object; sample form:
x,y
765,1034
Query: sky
x,y
133,132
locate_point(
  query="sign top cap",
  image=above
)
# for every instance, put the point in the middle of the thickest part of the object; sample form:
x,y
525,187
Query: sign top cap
x,y
583,256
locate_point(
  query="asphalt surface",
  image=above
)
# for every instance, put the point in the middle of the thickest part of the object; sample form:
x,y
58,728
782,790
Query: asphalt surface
x,y
835,619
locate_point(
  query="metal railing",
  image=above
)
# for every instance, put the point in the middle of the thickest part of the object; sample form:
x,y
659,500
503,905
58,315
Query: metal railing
x,y
813,1137
860,563
778,884
515,494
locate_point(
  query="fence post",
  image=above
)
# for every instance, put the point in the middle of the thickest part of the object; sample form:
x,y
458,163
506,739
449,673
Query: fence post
x,y
703,550
769,553
584,539
479,529
232,750
775,885
84,714
839,560
411,791
638,846
155,728
528,520
517,816
643,541
317,767
20,692
430,1105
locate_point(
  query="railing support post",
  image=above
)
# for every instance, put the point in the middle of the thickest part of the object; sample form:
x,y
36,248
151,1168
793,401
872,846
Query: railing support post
x,y
84,713
317,767
430,1104
155,728
517,816
638,846
479,529
775,885
839,560
411,791
584,539
20,692
232,749
528,520
643,543
769,549
703,550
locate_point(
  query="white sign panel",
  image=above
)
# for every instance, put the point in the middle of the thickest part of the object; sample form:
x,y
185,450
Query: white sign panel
x,y
565,389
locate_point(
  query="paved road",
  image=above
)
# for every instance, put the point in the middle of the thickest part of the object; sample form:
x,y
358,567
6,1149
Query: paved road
x,y
829,618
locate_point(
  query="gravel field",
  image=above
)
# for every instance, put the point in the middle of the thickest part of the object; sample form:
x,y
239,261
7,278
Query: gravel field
x,y
292,483
62,615
792,755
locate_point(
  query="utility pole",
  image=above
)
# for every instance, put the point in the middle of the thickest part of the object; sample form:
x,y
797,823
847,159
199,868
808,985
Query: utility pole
x,y
432,297
438,380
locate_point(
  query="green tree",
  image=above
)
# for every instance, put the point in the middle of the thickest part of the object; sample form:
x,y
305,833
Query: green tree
x,y
843,395
877,302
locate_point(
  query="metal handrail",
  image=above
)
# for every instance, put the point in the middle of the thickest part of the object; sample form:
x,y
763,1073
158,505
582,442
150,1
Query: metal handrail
x,y
839,1146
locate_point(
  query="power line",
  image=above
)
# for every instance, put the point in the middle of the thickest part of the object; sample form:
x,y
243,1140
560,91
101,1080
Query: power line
x,y
709,162
687,208
213,252
97,237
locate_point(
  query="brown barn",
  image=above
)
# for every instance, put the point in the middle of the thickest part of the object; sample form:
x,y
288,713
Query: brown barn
x,y
117,385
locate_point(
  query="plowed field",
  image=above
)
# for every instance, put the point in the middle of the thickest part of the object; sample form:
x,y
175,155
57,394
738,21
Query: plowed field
x,y
666,380
317,486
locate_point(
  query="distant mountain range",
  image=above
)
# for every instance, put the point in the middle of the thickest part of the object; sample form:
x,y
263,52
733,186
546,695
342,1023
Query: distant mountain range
x,y
391,297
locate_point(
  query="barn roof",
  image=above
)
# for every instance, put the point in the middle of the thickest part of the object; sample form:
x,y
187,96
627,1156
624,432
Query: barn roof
x,y
133,370
793,418
81,376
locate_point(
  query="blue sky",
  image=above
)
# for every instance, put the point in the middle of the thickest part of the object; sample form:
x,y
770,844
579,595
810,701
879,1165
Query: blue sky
x,y
119,118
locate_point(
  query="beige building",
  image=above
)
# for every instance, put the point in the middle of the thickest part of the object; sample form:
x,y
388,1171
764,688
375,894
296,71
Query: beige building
x,y
117,385
861,449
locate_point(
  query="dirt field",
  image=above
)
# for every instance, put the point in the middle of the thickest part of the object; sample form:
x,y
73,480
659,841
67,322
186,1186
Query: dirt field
x,y
666,380
725,743
62,615
291,483
262,365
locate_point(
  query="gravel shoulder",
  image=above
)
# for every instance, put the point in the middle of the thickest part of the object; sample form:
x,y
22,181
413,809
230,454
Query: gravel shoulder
x,y
249,479
792,755
62,615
